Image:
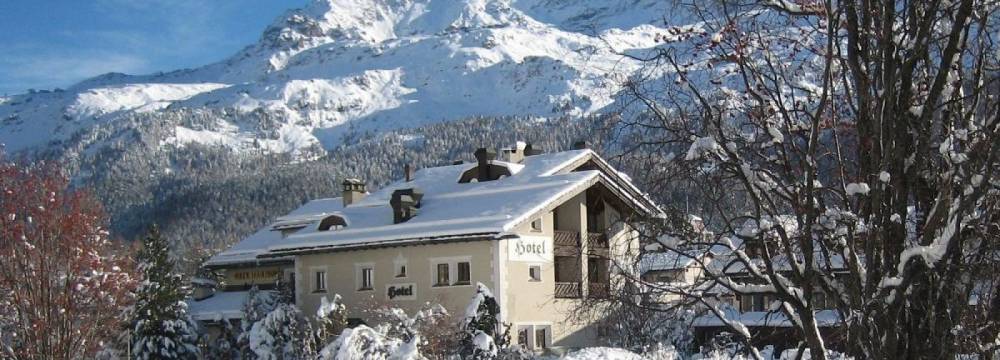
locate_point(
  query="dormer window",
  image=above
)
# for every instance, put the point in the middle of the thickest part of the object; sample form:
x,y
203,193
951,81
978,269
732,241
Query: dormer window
x,y
488,168
332,222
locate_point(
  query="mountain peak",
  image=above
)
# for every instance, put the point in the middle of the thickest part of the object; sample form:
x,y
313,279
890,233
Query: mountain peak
x,y
340,66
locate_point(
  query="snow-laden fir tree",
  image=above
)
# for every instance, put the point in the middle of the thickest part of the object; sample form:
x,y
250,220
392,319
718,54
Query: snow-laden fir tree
x,y
225,345
284,333
257,305
163,329
483,333
331,319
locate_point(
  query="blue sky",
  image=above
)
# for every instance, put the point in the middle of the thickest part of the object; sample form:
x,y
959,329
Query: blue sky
x,y
56,43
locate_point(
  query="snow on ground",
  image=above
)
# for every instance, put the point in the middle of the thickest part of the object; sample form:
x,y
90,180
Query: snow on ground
x,y
603,353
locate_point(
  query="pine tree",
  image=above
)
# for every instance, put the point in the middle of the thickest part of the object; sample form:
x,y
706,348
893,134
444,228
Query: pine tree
x,y
163,329
225,344
257,305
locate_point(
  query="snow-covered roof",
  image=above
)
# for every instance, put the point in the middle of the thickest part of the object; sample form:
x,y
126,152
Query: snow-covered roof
x,y
223,305
669,260
449,209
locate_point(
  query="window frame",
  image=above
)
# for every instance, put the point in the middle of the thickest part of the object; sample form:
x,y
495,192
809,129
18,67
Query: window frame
x,y
315,283
438,274
360,279
537,225
452,264
468,273
532,273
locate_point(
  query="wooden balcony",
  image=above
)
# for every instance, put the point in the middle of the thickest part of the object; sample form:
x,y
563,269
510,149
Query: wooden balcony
x,y
567,243
568,290
598,290
597,244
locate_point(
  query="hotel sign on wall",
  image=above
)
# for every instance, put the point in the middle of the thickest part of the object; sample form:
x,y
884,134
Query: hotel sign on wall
x,y
406,291
530,249
257,276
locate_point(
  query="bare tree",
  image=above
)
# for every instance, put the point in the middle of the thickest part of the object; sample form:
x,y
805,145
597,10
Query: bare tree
x,y
838,149
63,283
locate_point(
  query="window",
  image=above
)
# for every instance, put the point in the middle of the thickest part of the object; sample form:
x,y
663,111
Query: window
x,y
535,273
366,277
442,275
464,274
536,225
332,222
752,302
320,284
819,301
451,271
401,270
541,337
522,335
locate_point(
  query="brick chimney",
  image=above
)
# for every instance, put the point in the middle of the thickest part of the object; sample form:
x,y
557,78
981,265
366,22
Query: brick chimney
x,y
483,158
353,191
405,204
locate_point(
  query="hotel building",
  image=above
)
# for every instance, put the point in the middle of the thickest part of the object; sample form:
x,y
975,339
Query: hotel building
x,y
540,230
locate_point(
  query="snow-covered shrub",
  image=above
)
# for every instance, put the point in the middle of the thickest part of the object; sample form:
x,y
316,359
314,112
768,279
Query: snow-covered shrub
x,y
331,319
284,333
483,335
360,343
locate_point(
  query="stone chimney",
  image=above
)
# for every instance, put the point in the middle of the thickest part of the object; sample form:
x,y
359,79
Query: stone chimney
x,y
516,154
353,191
408,172
483,158
405,204
581,144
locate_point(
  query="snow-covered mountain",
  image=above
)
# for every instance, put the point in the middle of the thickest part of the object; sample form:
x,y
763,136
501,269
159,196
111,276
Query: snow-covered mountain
x,y
370,65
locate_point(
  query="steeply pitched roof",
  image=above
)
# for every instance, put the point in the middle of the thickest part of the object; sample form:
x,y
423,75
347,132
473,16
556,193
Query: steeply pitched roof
x,y
449,209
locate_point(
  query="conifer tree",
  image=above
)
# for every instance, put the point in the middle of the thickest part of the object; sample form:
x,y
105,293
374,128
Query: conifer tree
x,y
484,335
284,333
257,305
163,329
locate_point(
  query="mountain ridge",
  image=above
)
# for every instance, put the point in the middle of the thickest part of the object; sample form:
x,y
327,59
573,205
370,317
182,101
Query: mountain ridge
x,y
336,66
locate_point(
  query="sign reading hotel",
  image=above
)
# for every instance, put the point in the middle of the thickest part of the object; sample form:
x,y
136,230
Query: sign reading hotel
x,y
406,291
257,276
531,249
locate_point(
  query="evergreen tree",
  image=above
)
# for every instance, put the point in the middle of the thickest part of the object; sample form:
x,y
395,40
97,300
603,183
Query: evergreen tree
x,y
163,329
284,333
225,345
483,333
257,305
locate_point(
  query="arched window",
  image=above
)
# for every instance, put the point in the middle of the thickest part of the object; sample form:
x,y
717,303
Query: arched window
x,y
332,222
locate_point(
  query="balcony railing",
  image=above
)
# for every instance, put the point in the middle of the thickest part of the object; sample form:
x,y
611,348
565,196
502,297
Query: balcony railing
x,y
597,243
567,290
597,240
566,238
597,290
